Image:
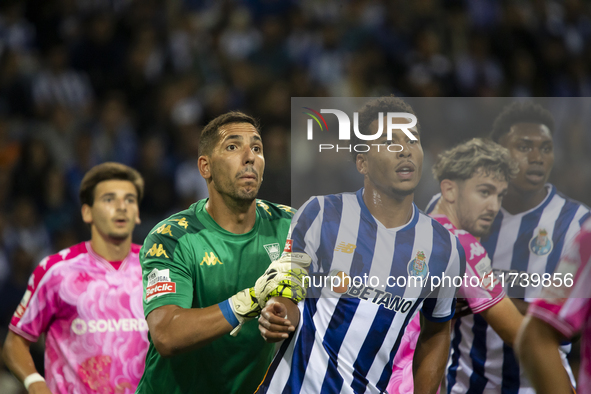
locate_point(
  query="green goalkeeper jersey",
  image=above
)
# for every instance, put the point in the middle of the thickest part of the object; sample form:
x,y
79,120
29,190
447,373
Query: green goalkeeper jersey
x,y
190,261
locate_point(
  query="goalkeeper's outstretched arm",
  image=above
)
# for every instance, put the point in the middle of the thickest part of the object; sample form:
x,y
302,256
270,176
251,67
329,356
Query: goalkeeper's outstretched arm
x,y
175,330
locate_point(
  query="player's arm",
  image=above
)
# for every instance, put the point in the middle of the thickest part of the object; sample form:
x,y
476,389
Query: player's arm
x,y
505,319
17,356
430,355
176,330
175,327
521,305
537,348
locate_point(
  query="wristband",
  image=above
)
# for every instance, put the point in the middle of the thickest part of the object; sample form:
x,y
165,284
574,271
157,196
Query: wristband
x,y
228,313
32,378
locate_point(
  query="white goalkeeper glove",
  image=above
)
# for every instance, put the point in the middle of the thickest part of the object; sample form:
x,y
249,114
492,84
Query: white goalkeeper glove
x,y
284,278
245,307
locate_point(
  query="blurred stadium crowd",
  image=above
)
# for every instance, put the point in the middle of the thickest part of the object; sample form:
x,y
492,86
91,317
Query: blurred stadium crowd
x,y
133,81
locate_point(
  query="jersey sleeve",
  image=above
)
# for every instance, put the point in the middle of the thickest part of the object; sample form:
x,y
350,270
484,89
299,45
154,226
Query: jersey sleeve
x,y
441,304
166,274
40,301
567,308
480,288
304,232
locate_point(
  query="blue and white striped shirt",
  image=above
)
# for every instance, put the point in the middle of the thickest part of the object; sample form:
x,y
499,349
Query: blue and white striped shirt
x,y
345,343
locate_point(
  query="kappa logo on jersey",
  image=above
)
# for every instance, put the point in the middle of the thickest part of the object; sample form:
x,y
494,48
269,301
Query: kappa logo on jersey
x,y
159,283
164,229
345,248
286,208
64,253
476,249
157,251
43,263
541,244
272,251
264,206
210,259
181,222
22,307
418,266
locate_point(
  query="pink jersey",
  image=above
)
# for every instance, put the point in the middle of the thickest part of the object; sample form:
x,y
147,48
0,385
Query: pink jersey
x,y
568,308
93,317
481,293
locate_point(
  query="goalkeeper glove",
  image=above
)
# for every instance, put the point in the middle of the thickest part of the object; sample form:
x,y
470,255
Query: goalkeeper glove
x,y
284,278
240,308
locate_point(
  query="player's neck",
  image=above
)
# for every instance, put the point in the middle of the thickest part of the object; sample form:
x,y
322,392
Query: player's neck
x,y
445,208
518,201
110,249
391,211
237,217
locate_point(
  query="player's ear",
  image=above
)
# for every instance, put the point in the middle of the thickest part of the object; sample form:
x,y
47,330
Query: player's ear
x,y
449,190
86,214
204,165
361,163
137,219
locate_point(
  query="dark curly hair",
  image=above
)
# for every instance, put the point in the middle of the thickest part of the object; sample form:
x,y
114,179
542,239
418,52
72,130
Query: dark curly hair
x,y
520,112
370,110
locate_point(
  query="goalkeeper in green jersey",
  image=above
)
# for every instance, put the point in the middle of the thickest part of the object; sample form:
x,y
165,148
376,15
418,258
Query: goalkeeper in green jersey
x,y
210,269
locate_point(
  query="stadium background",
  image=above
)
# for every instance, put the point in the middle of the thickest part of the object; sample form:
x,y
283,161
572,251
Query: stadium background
x,y
134,81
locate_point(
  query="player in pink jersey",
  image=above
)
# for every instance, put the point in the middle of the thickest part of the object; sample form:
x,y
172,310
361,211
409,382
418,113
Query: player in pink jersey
x,y
473,178
87,299
560,314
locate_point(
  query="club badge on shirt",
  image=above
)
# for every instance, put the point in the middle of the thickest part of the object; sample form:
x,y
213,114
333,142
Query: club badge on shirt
x,y
418,266
272,251
541,244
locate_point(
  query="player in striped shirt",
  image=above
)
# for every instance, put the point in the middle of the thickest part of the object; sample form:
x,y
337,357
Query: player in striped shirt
x,y
564,311
346,336
87,299
473,177
527,237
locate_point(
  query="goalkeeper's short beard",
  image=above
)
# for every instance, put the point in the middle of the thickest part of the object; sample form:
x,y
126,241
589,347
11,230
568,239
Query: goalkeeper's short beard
x,y
241,195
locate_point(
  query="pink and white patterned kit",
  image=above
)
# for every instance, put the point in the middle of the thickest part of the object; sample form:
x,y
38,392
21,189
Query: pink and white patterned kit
x,y
479,298
93,317
568,308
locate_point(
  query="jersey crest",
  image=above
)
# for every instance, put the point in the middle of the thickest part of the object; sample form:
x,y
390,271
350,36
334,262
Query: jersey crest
x,y
272,251
541,244
418,266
